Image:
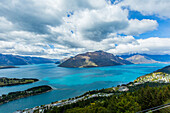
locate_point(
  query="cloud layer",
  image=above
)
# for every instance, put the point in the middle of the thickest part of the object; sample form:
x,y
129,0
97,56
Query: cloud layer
x,y
58,28
153,45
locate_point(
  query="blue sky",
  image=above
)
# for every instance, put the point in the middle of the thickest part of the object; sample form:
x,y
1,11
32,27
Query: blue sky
x,y
162,30
59,29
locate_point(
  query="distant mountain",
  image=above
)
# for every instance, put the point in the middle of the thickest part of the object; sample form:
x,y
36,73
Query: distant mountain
x,y
62,60
140,59
160,58
94,59
164,70
22,60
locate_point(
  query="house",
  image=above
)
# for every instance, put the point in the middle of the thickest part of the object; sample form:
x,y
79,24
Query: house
x,y
137,83
123,88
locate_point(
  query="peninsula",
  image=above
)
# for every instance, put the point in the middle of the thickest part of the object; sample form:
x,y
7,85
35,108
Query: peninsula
x,y
5,67
15,81
161,76
22,94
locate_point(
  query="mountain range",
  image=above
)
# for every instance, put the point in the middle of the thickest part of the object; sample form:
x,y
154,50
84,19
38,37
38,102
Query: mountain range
x,y
159,58
22,60
141,59
94,59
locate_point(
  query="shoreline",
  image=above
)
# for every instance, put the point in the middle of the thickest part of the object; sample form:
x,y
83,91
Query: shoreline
x,y
25,97
89,95
119,89
27,93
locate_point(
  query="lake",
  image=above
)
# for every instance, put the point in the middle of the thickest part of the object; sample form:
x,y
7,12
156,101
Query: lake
x,y
68,82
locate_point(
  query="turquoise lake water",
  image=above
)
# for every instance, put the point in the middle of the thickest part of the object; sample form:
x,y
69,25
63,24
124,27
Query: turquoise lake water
x,y
68,82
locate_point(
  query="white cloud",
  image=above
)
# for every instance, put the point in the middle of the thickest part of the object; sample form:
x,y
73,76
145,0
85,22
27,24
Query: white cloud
x,y
137,27
5,25
160,8
34,15
22,37
96,25
153,45
35,28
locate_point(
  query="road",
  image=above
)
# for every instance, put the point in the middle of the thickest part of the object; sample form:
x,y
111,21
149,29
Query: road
x,y
155,108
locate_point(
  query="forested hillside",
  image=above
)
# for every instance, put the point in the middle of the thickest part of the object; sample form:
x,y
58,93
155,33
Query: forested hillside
x,y
139,98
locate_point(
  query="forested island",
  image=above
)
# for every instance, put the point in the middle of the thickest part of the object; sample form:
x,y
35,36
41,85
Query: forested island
x,y
15,81
21,94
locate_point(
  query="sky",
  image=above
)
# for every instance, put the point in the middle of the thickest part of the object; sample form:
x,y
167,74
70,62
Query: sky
x,y
63,28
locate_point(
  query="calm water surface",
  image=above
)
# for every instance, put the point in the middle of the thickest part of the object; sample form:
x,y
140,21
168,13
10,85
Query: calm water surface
x,y
68,82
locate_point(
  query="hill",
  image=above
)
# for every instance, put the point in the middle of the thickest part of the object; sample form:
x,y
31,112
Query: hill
x,y
164,70
161,76
94,59
62,60
22,60
141,59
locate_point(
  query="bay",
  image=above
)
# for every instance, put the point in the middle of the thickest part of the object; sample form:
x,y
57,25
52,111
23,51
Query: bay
x,y
68,82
